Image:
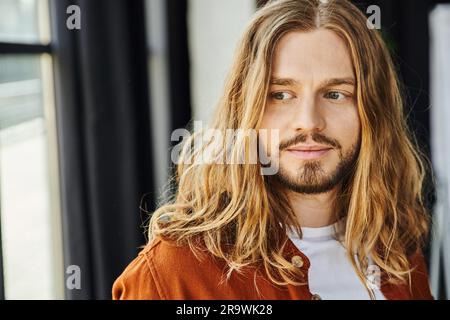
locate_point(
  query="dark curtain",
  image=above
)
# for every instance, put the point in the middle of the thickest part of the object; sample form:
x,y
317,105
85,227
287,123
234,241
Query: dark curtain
x,y
179,66
104,138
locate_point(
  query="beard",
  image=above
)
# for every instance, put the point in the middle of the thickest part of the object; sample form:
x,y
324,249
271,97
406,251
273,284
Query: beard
x,y
310,178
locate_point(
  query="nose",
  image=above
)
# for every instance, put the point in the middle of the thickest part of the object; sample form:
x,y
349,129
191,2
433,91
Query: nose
x,y
308,117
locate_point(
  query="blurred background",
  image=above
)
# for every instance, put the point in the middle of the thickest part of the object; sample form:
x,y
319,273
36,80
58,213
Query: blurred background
x,y
87,109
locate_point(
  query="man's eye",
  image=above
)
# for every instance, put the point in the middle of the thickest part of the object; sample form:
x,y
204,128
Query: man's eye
x,y
334,95
280,95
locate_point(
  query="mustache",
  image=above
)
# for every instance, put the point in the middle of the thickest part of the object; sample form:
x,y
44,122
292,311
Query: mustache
x,y
316,137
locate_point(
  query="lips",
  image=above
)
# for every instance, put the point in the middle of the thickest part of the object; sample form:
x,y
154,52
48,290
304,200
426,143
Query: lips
x,y
309,152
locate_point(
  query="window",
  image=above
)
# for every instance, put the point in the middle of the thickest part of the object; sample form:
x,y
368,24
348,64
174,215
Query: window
x,y
29,189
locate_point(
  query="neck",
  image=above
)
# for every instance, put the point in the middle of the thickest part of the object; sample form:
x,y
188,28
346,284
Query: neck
x,y
314,210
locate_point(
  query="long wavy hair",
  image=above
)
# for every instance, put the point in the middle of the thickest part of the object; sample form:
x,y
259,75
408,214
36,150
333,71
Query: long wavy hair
x,y
240,216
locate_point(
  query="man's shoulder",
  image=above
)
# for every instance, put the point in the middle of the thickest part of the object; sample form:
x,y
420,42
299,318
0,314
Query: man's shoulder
x,y
170,257
420,285
162,266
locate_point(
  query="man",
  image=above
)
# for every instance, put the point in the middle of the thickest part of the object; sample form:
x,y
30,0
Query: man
x,y
343,217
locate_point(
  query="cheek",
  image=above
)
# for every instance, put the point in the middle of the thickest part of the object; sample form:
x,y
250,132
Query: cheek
x,y
272,127
272,119
345,127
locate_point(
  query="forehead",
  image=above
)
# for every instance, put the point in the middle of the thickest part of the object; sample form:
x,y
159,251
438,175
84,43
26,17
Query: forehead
x,y
319,54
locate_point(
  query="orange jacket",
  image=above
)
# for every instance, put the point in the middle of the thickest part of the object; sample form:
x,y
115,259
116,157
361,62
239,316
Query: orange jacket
x,y
163,270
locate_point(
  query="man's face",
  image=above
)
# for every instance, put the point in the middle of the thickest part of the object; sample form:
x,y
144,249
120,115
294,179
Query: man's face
x,y
312,103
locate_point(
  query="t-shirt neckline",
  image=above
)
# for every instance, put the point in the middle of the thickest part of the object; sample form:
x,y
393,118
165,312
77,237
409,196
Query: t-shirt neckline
x,y
325,232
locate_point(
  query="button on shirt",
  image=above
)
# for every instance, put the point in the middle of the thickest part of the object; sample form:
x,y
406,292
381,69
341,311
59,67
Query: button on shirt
x,y
331,274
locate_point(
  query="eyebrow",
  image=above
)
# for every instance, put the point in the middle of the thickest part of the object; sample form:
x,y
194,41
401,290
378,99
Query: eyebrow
x,y
325,83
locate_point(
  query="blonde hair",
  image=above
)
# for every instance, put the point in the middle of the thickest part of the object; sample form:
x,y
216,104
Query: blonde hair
x,y
241,217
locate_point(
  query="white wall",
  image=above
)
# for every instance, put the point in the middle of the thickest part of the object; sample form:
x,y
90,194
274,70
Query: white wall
x,y
440,135
215,27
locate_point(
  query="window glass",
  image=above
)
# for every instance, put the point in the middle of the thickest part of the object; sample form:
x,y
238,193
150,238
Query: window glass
x,y
26,194
24,21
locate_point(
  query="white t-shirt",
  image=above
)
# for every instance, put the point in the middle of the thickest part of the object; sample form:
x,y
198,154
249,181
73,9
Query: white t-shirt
x,y
331,274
